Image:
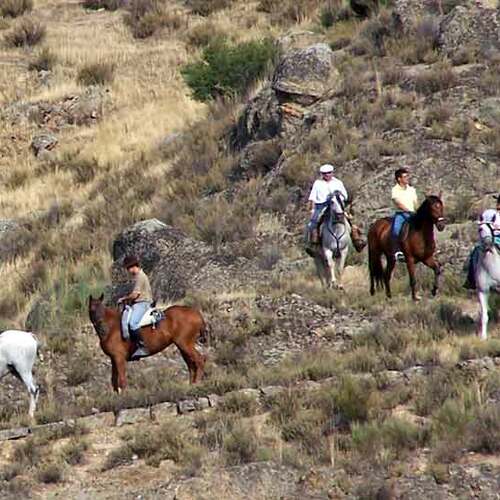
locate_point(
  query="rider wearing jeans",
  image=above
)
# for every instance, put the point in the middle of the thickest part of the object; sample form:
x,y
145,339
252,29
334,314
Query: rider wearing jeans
x,y
404,198
322,190
492,217
139,299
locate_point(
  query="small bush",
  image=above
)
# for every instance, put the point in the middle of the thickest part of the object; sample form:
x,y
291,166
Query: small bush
x,y
226,70
99,73
44,61
27,453
240,445
435,79
203,34
103,4
26,33
207,7
241,404
15,8
483,432
73,452
51,472
119,456
146,17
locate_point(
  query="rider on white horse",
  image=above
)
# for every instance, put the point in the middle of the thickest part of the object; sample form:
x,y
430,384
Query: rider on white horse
x,y
490,216
321,192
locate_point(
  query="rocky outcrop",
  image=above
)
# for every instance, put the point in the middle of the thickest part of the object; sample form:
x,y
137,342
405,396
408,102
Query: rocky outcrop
x,y
258,158
74,109
477,28
260,121
305,75
173,262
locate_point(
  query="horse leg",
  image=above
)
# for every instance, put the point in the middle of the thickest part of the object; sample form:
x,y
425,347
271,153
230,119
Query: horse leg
x,y
410,265
331,280
436,267
114,376
483,302
389,268
340,262
320,270
29,382
121,374
194,361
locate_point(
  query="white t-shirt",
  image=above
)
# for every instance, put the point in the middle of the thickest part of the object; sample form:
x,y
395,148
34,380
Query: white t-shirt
x,y
493,217
322,189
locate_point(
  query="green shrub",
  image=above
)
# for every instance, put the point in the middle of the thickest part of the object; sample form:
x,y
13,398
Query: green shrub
x,y
483,431
15,8
98,73
26,33
226,70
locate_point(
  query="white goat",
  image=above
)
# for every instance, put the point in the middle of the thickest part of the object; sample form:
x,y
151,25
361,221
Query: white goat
x,y
18,351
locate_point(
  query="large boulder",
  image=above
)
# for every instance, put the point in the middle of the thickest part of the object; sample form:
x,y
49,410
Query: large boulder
x,y
173,262
475,27
305,75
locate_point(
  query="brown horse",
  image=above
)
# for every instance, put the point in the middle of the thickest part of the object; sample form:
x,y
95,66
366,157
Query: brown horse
x,y
182,326
417,245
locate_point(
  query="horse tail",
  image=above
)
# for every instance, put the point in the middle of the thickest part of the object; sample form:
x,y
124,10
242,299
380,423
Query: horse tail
x,y
205,333
374,261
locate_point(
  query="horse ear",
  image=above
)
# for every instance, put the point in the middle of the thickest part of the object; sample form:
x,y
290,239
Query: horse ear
x,y
440,195
101,298
90,298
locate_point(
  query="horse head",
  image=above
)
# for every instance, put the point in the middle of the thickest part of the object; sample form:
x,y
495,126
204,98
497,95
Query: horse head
x,y
337,206
97,315
435,208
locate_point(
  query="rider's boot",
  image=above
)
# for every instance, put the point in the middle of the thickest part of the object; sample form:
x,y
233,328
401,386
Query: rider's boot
x,y
141,350
396,250
357,240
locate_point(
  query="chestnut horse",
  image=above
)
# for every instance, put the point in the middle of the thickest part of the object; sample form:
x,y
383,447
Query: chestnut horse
x,y
417,245
182,326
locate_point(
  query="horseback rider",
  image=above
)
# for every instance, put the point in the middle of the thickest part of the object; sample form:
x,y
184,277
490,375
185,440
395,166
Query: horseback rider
x,y
139,300
321,192
404,198
489,216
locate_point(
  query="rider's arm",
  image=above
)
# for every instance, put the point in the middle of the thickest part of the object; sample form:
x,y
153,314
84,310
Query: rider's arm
x,y
312,196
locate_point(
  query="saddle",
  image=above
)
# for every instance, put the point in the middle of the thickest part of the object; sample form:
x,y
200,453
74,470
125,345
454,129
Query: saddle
x,y
152,317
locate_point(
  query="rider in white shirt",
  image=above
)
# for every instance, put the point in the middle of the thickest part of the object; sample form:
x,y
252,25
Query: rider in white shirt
x,y
490,216
319,197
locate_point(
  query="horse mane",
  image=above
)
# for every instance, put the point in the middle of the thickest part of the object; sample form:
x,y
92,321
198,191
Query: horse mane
x,y
422,214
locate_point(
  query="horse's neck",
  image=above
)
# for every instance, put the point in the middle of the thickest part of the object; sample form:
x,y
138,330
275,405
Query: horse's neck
x,y
112,320
426,227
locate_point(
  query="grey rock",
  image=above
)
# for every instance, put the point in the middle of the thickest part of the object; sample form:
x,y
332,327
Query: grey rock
x,y
476,27
249,393
305,75
272,391
168,257
186,406
16,433
489,111
133,416
163,410
43,143
214,400
97,421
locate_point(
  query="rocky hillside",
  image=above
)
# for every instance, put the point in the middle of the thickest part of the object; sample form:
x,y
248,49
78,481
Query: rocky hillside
x,y
114,138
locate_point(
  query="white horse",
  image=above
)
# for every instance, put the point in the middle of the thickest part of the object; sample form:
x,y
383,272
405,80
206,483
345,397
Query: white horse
x,y
335,239
18,351
487,273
